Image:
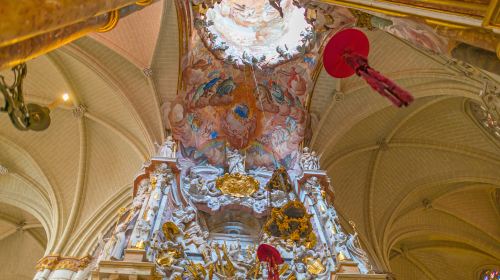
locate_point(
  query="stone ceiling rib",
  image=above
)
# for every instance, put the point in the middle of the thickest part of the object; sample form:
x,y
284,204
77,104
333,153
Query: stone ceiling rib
x,y
63,72
405,235
467,222
48,196
389,225
347,154
135,36
87,60
80,189
49,193
419,265
101,219
15,223
368,201
423,78
402,216
361,112
157,101
454,148
135,81
417,190
134,143
415,111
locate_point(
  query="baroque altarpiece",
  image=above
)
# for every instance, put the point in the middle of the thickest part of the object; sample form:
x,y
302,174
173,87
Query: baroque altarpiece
x,y
233,178
206,222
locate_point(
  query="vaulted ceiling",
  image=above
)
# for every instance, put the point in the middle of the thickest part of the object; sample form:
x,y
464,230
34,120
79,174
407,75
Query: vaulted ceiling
x,y
421,183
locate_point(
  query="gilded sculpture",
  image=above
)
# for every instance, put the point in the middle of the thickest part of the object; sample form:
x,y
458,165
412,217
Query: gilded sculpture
x,y
238,185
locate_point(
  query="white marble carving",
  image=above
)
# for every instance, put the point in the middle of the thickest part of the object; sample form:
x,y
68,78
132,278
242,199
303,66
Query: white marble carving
x,y
167,149
235,161
309,160
357,253
199,187
119,242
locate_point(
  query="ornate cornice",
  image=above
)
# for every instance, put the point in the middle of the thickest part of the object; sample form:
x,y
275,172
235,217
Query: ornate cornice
x,y
55,262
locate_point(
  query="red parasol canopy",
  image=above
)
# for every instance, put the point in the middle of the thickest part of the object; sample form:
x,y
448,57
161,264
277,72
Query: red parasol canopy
x,y
270,255
347,53
347,40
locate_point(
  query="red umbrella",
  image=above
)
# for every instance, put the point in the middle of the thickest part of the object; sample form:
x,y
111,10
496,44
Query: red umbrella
x,y
270,255
347,53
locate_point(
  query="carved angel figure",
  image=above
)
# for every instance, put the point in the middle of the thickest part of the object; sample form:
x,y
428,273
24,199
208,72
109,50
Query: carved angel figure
x,y
235,161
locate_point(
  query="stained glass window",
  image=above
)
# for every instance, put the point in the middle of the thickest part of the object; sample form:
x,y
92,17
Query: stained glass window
x,y
490,274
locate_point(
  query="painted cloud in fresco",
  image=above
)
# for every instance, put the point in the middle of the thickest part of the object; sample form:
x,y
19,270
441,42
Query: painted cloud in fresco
x,y
259,110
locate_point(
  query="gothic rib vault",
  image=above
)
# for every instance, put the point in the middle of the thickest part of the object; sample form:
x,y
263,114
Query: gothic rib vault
x,y
421,183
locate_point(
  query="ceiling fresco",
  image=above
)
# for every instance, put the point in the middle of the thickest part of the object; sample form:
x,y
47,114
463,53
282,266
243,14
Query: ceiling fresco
x,y
250,94
254,31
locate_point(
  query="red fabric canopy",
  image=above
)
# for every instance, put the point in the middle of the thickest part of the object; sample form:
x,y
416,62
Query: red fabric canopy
x,y
270,255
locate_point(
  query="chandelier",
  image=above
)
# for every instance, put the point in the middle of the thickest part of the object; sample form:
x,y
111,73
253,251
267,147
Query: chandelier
x,y
24,116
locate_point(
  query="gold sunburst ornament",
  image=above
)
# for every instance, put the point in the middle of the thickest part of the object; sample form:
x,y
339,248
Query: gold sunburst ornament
x,y
237,185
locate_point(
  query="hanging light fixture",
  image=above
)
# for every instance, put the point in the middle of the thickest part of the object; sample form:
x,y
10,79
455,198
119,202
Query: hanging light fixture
x,y
24,116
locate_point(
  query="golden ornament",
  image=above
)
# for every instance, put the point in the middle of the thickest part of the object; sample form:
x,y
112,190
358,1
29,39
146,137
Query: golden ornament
x,y
140,245
291,222
314,265
237,185
170,230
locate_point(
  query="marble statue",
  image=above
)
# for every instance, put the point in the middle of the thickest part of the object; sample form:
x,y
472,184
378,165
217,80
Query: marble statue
x,y
141,195
147,202
161,180
341,245
142,229
235,161
153,205
309,160
167,149
357,253
314,191
119,242
107,245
